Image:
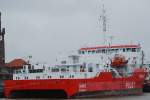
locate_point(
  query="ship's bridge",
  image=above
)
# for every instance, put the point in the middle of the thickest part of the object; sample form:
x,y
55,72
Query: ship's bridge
x,y
110,49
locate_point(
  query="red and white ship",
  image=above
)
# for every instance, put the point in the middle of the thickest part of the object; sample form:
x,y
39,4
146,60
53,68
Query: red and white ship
x,y
94,71
90,72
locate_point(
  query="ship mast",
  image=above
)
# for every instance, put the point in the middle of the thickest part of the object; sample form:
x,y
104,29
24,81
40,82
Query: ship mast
x,y
104,20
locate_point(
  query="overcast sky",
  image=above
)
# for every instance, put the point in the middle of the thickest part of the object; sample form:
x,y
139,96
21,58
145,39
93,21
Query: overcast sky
x,y
48,28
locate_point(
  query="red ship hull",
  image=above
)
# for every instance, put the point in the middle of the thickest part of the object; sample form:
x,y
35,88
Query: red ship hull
x,y
102,85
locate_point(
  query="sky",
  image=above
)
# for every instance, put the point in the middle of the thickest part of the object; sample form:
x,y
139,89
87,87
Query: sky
x,y
46,29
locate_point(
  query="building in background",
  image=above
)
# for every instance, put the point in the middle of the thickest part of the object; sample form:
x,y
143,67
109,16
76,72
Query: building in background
x,y
5,72
16,64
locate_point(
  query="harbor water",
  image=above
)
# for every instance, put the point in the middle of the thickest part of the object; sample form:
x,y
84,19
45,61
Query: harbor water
x,y
144,96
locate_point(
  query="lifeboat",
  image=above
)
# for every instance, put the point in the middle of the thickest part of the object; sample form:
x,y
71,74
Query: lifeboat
x,y
119,61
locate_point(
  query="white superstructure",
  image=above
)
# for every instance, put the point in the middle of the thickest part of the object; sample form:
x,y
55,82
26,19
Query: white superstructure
x,y
87,63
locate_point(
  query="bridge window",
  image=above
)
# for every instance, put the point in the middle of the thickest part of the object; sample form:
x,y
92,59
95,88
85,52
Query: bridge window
x,y
112,50
128,49
116,50
89,52
83,52
133,49
124,50
103,50
93,51
98,51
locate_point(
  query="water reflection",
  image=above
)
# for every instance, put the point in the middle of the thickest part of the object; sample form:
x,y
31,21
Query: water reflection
x,y
145,96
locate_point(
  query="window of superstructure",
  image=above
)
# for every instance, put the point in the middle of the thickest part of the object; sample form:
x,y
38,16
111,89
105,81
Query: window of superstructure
x,y
89,52
138,49
103,50
63,70
61,76
55,69
82,68
98,51
128,49
71,76
18,71
23,71
49,77
83,52
26,77
120,49
116,50
67,66
112,50
124,50
90,69
17,78
93,51
134,50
